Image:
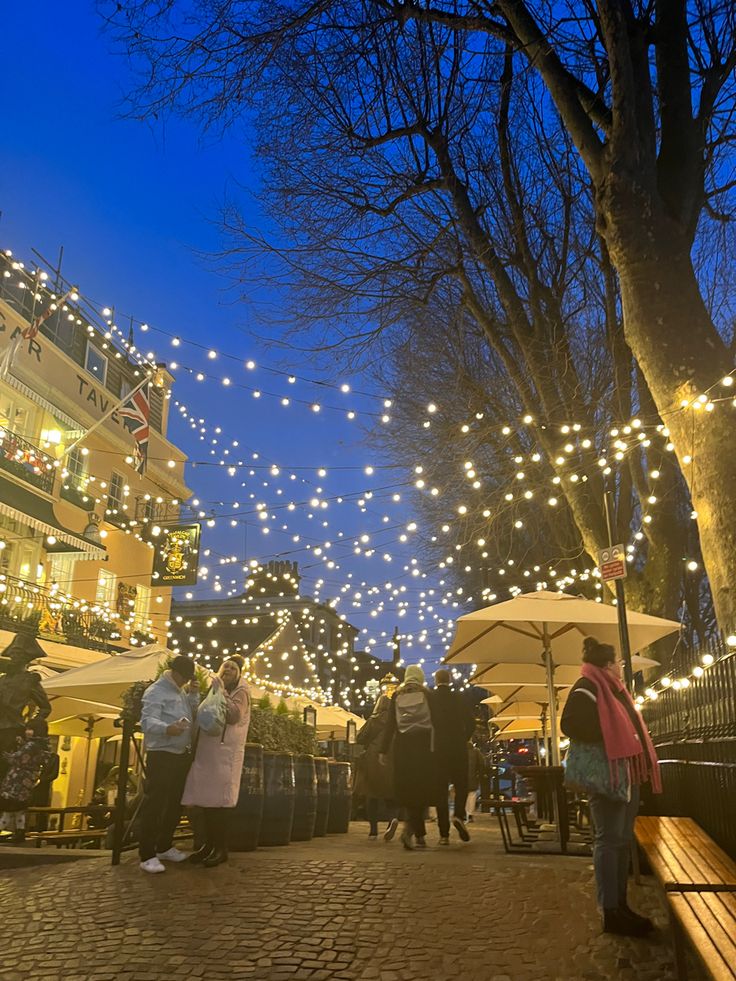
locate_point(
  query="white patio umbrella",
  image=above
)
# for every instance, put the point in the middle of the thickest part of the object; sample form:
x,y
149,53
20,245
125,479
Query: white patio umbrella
x,y
106,681
546,628
88,727
63,707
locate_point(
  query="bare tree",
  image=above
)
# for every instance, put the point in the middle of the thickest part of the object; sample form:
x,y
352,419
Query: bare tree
x,y
386,130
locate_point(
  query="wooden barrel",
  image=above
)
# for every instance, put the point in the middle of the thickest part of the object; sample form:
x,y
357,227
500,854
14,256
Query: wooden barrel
x,y
322,768
278,799
305,802
245,822
341,796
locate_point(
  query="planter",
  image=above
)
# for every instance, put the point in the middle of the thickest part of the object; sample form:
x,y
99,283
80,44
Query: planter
x,y
278,799
245,823
305,801
322,769
341,798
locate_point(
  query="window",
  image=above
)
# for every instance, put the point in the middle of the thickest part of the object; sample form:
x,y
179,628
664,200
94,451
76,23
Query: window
x,y
76,464
116,493
105,588
74,481
96,363
61,570
142,608
17,416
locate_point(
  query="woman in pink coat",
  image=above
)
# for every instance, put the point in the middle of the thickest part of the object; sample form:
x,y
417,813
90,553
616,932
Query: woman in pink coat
x,y
213,782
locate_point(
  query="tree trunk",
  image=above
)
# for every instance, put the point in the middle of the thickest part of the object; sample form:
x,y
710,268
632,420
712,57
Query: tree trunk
x,y
681,355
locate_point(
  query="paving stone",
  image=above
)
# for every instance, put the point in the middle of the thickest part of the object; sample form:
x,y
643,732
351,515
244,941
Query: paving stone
x,y
334,909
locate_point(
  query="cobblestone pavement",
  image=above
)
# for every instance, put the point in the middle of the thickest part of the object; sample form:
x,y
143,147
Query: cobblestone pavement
x,y
336,909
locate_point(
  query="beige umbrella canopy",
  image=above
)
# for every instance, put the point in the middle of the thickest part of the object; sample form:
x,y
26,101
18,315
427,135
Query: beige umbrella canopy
x,y
519,729
519,710
106,681
92,726
514,631
546,629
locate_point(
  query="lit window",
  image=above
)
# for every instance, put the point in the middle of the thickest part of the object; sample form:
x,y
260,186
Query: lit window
x,y
96,363
105,587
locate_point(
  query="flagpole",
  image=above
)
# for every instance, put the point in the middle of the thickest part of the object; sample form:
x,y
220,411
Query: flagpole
x,y
103,418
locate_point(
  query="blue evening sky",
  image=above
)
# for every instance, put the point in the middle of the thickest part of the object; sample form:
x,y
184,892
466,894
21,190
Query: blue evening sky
x,y
132,205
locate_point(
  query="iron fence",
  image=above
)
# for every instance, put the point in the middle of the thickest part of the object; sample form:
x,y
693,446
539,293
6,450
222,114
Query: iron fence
x,y
50,615
693,727
21,458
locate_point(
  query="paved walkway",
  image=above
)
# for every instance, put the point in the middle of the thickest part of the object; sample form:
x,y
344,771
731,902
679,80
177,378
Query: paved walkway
x,y
336,909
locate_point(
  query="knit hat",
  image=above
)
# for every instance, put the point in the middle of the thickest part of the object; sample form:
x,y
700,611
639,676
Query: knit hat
x,y
414,673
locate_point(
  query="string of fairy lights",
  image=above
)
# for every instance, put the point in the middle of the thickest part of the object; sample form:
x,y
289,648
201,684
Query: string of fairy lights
x,y
579,452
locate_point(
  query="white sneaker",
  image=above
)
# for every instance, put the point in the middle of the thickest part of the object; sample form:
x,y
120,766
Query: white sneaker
x,y
152,865
172,855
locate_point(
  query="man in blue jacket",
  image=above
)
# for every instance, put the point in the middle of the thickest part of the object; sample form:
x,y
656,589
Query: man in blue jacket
x,y
166,721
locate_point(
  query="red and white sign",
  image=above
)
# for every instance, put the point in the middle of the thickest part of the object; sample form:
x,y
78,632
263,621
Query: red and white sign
x,y
612,563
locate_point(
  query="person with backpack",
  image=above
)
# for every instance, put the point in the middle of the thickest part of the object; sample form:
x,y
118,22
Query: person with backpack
x,y
409,734
32,762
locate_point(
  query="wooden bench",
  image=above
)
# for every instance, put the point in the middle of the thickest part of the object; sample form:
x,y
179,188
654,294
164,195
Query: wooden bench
x,y
68,839
708,921
699,882
683,857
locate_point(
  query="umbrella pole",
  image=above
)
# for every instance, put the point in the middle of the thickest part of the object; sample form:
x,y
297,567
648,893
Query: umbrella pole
x,y
122,789
554,736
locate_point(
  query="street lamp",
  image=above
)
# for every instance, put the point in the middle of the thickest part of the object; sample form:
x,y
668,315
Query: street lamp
x,y
310,716
351,732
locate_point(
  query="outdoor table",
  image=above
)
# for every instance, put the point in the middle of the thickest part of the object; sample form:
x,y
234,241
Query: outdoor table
x,y
551,797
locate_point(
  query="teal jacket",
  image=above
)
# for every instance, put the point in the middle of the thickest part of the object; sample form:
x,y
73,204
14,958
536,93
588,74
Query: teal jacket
x,y
163,704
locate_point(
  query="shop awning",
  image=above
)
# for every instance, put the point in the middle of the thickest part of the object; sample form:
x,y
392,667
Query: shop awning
x,y
23,505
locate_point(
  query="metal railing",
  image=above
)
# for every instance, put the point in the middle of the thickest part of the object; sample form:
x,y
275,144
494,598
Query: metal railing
x,y
52,615
694,730
21,458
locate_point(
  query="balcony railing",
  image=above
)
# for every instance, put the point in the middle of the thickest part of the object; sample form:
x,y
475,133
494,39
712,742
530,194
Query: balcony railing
x,y
22,459
53,615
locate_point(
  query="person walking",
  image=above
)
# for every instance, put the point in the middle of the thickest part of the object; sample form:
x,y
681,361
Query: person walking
x,y
454,725
372,780
611,753
476,768
166,720
410,735
213,782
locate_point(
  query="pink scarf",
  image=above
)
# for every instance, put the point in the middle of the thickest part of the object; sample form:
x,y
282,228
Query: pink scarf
x,y
620,736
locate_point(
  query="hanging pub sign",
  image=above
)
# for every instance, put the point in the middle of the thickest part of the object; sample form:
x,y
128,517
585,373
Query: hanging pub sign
x,y
177,556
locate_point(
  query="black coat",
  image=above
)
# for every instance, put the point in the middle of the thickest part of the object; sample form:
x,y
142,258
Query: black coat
x,y
453,723
372,778
415,770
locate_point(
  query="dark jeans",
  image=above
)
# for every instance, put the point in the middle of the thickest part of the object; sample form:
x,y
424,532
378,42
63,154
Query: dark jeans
x,y
415,820
216,826
613,822
451,771
371,811
166,774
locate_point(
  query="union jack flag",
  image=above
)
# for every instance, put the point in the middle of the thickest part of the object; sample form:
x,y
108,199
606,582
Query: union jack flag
x,y
135,414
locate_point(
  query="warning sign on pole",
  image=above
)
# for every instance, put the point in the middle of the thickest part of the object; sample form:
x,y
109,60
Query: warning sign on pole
x,y
612,563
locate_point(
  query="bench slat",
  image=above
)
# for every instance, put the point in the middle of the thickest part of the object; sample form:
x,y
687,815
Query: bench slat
x,y
714,944
713,865
682,855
